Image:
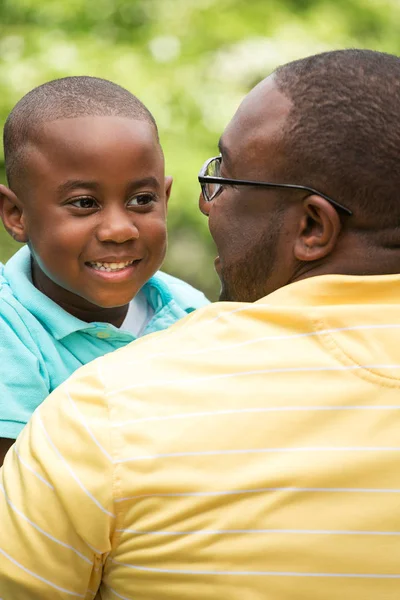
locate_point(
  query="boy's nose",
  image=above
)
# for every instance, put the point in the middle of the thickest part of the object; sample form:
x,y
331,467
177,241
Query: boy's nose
x,y
117,227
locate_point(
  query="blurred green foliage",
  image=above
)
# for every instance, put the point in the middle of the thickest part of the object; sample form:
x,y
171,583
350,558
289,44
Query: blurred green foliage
x,y
191,62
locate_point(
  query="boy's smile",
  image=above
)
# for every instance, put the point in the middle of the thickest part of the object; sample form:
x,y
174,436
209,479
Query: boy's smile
x,y
93,210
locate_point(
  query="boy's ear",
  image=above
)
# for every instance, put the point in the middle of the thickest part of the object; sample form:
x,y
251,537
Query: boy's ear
x,y
168,187
12,214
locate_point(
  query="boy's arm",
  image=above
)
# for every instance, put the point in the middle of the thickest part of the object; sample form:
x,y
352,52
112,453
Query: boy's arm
x,y
24,381
56,505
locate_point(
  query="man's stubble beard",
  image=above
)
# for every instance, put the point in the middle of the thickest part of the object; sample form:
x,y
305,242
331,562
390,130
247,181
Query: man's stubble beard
x,y
247,279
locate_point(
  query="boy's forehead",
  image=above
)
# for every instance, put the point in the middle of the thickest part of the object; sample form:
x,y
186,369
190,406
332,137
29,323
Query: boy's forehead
x,y
98,144
95,129
88,137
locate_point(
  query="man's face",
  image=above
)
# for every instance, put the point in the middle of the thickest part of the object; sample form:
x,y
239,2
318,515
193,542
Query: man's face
x,y
95,200
247,223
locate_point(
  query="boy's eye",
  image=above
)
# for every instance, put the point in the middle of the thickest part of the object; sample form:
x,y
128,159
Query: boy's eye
x,y
84,202
142,200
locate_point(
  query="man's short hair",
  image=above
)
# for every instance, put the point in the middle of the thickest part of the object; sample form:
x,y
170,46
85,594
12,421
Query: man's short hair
x,y
343,132
66,98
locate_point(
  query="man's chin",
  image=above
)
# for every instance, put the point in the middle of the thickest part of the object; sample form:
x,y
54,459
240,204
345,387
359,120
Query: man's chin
x,y
238,293
237,286
225,294
223,297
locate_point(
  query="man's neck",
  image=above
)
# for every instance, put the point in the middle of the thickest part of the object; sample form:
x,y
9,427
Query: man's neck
x,y
358,259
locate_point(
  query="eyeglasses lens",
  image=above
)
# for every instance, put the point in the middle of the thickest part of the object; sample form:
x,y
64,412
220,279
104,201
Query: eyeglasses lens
x,y
213,170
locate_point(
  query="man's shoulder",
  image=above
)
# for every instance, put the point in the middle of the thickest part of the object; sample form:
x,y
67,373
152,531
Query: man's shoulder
x,y
162,354
188,297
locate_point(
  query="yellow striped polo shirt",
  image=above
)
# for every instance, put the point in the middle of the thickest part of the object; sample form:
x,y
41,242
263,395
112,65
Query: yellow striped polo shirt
x,y
250,452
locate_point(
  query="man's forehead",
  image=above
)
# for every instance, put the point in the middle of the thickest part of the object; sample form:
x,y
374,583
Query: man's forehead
x,y
257,125
264,110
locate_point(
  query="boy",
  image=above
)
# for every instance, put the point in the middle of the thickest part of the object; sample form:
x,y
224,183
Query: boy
x,y
88,195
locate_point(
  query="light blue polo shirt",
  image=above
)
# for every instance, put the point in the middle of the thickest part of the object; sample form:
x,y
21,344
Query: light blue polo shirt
x,y
41,344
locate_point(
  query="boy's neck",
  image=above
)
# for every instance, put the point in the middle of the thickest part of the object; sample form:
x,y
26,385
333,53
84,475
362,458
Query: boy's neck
x,y
75,305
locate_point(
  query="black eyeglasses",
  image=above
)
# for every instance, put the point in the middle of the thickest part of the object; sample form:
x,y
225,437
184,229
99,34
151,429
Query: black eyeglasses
x,y
212,184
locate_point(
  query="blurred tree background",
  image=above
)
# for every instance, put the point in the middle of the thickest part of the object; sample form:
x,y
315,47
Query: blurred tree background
x,y
190,62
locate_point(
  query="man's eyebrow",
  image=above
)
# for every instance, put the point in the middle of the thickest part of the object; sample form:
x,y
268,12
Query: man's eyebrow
x,y
223,150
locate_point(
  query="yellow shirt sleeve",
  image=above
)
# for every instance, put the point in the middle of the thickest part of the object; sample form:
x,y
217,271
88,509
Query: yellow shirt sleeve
x,y
56,506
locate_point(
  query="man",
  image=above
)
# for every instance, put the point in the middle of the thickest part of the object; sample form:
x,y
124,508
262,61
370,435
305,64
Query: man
x,y
252,450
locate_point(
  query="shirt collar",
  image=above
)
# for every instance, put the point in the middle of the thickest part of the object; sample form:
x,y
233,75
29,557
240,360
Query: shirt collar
x,y
329,290
18,273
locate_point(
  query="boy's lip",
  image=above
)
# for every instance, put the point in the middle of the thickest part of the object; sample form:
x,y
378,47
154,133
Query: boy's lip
x,y
114,276
113,259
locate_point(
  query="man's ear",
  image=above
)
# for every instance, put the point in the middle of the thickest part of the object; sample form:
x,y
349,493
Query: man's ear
x,y
168,187
12,214
318,231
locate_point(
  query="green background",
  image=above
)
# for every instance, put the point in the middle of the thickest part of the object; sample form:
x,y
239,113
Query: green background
x,y
190,62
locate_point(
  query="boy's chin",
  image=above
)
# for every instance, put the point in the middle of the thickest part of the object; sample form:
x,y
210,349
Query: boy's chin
x,y
110,303
95,300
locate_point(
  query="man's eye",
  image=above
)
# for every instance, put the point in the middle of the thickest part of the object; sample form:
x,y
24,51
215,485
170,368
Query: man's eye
x,y
142,200
84,202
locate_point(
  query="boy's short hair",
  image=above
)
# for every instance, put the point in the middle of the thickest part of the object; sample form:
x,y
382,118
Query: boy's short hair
x,y
66,98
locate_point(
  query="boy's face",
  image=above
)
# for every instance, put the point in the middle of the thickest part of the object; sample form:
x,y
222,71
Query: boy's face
x,y
94,200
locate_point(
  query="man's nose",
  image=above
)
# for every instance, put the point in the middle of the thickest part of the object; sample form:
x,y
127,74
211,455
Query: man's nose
x,y
118,226
204,206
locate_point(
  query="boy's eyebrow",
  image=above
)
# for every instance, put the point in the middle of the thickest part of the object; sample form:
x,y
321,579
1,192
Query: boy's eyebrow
x,y
145,181
73,184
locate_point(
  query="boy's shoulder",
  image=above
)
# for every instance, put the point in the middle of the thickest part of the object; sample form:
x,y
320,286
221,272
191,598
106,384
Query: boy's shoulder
x,y
184,294
13,314
6,295
3,278
23,308
8,272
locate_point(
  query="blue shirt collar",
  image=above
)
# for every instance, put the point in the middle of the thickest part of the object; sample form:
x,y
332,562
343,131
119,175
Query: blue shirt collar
x,y
18,273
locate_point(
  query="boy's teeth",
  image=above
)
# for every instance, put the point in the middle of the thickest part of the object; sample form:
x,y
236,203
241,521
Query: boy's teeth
x,y
109,267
